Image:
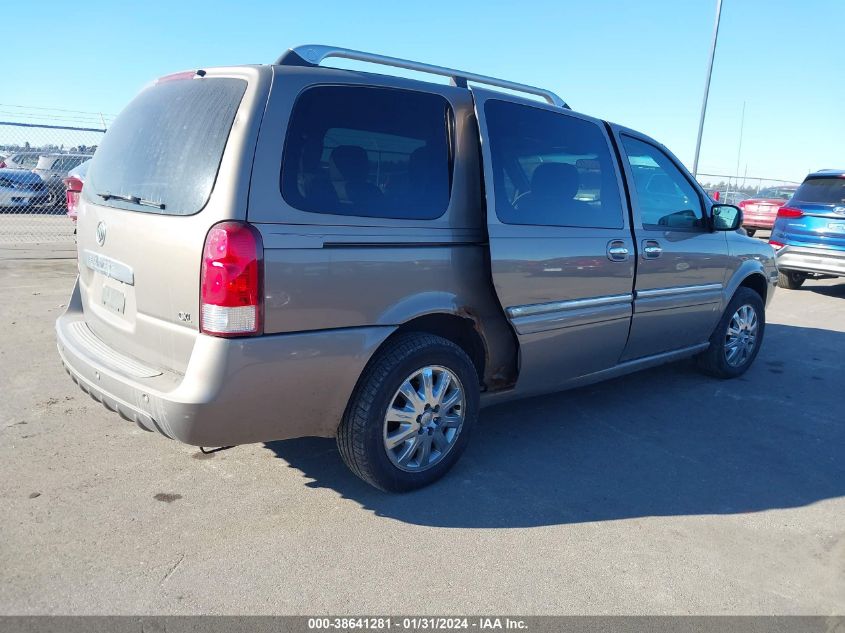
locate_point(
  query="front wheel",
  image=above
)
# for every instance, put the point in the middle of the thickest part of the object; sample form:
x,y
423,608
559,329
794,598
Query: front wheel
x,y
737,338
410,417
791,279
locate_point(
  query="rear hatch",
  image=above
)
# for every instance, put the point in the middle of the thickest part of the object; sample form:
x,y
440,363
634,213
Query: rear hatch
x,y
174,163
818,219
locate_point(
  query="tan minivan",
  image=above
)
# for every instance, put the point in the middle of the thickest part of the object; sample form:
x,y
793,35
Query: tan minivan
x,y
268,252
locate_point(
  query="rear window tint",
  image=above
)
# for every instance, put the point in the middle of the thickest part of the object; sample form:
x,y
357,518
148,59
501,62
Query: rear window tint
x,y
165,147
371,152
822,191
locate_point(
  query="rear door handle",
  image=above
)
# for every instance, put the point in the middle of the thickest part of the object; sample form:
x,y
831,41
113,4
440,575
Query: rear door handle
x,y
651,249
617,251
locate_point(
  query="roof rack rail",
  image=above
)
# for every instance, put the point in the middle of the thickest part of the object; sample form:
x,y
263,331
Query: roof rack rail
x,y
313,54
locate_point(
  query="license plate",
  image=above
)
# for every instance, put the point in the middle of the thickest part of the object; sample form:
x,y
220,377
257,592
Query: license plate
x,y
114,299
839,227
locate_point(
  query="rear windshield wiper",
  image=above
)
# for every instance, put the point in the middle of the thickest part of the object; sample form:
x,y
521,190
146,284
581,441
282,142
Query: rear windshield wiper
x,y
133,199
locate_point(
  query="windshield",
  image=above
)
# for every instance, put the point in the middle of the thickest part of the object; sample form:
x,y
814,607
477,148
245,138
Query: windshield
x,y
822,191
162,153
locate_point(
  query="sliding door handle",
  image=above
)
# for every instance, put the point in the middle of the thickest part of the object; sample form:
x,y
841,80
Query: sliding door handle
x,y
617,251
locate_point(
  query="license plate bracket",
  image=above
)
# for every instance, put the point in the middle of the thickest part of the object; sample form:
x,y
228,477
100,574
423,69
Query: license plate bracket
x,y
114,299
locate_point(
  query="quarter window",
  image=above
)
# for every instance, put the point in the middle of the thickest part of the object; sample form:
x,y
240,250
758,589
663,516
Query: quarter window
x,y
370,152
667,200
551,169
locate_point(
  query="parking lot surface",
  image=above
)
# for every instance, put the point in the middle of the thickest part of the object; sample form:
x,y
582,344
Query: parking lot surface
x,y
661,492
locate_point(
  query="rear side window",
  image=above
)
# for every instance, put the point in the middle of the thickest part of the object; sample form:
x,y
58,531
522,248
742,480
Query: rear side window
x,y
371,152
162,153
821,191
551,169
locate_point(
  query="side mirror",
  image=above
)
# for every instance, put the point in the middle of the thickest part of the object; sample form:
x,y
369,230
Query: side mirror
x,y
726,217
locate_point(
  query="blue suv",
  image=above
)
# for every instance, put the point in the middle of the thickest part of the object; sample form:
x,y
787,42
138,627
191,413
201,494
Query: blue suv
x,y
809,232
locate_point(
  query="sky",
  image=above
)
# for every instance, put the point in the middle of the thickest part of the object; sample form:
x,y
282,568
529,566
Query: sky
x,y
638,63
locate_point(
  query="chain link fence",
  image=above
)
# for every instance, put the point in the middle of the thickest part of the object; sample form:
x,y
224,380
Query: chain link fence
x,y
735,189
37,152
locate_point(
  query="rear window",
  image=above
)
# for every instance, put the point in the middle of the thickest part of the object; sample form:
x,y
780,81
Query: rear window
x,y
27,160
365,151
822,191
66,164
775,193
163,152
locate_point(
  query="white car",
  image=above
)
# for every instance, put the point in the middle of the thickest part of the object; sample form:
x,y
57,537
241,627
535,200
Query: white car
x,y
21,189
21,160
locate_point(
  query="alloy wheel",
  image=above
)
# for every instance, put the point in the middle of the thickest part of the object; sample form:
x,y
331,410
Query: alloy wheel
x,y
424,418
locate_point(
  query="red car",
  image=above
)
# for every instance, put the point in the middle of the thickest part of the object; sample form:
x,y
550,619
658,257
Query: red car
x,y
73,188
760,211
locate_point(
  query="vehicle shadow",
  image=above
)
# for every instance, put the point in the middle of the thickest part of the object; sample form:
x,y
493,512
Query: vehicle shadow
x,y
667,441
837,291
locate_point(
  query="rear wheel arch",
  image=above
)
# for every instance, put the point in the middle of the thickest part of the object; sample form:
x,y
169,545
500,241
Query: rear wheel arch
x,y
462,331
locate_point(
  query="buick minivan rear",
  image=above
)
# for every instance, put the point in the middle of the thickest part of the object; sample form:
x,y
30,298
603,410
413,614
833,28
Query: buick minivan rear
x,y
166,317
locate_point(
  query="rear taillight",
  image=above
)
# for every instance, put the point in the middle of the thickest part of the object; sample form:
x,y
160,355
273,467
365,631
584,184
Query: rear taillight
x,y
2,164
73,187
776,245
789,212
231,282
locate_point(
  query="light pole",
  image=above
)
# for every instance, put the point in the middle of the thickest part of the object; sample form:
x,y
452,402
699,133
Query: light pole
x,y
707,88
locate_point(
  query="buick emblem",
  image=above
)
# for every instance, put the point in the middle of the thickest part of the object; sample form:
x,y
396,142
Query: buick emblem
x,y
101,233
839,210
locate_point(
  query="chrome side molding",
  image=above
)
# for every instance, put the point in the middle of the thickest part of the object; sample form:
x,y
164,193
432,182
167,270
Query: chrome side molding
x,y
575,304
677,290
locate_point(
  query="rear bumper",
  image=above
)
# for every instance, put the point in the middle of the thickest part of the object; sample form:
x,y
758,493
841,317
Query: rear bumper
x,y
761,223
811,260
234,391
21,198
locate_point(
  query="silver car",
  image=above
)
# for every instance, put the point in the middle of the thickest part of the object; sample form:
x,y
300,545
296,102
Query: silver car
x,y
286,250
53,168
20,189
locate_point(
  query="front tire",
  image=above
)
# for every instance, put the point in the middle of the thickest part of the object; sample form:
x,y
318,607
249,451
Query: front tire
x,y
410,417
737,338
791,279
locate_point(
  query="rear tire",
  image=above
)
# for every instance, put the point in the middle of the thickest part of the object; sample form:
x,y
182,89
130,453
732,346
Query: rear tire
x,y
737,338
791,279
379,415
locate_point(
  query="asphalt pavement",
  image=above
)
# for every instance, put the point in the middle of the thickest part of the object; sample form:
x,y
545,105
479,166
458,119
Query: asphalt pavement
x,y
664,492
